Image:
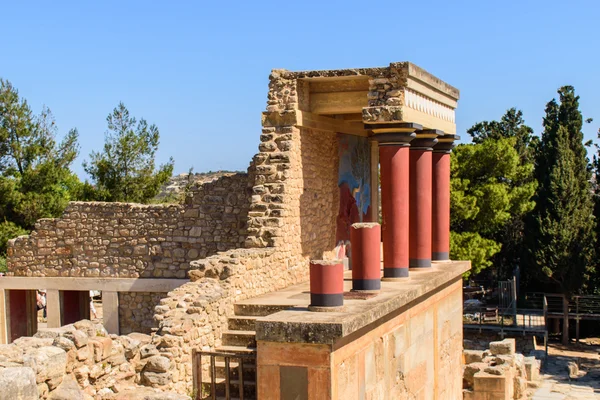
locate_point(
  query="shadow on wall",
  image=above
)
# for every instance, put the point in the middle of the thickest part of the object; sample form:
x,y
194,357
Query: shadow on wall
x,y
319,200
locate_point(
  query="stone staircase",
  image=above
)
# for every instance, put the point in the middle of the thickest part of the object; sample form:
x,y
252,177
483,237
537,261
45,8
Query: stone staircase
x,y
240,338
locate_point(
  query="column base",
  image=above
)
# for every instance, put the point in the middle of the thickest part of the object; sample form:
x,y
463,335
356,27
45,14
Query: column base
x,y
326,300
420,263
366,284
326,309
440,256
395,273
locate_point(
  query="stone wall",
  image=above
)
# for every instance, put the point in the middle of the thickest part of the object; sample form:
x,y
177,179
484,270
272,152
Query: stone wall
x,y
94,239
136,311
81,361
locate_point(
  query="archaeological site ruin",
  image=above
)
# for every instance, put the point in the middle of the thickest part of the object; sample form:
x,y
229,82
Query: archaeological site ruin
x,y
211,297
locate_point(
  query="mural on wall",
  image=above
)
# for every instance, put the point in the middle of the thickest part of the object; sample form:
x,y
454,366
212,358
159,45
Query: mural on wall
x,y
354,182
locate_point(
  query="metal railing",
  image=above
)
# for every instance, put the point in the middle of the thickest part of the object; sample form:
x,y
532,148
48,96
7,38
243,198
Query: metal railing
x,y
242,360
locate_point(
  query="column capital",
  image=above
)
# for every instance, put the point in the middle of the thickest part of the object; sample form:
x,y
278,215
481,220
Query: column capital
x,y
445,143
426,139
394,134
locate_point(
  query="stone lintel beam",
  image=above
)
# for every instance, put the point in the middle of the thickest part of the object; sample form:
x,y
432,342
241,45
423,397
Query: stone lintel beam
x,y
313,121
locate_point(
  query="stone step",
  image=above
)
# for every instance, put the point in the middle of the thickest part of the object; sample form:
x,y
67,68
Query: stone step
x,y
236,349
242,323
258,310
239,338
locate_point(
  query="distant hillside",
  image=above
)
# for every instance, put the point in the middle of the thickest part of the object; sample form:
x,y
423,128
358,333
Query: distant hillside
x,y
175,187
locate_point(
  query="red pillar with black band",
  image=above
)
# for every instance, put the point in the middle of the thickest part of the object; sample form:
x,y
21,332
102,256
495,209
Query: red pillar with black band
x,y
440,245
421,197
365,242
394,142
326,283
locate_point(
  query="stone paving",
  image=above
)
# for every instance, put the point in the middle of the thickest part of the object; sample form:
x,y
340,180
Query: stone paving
x,y
557,385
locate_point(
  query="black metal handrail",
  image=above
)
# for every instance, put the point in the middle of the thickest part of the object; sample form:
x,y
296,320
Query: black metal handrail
x,y
244,359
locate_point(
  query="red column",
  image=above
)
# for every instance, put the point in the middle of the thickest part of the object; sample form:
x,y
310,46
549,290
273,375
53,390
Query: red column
x,y
420,198
365,241
440,246
394,141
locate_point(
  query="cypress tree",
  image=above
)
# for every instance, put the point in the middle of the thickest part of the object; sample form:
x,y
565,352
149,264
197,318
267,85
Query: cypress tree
x,y
561,229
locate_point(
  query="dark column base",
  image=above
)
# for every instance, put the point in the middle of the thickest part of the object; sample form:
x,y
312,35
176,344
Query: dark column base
x,y
366,284
326,300
440,256
395,272
420,263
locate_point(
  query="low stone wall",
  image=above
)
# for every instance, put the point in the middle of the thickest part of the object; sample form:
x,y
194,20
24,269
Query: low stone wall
x,y
499,372
195,315
94,239
81,361
136,311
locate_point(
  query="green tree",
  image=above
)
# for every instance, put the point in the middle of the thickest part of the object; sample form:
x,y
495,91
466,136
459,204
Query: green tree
x,y
510,233
125,169
561,230
35,177
490,186
511,125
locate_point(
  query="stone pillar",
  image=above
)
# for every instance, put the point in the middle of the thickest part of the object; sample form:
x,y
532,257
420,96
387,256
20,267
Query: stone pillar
x,y
420,197
365,241
394,141
53,308
110,311
440,245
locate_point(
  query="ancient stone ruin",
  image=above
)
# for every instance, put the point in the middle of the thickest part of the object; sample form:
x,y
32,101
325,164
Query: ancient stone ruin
x,y
181,283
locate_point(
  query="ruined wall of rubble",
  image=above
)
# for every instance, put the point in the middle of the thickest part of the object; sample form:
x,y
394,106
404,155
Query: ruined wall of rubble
x,y
121,240
81,361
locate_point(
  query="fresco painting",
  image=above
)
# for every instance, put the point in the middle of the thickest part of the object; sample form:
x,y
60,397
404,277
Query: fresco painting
x,y
354,182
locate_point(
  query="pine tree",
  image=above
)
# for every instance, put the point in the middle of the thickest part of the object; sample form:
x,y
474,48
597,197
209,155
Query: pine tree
x,y
561,230
125,169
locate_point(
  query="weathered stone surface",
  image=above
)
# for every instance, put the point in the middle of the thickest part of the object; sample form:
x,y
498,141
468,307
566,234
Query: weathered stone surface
x,y
573,370
157,364
155,378
48,363
67,390
18,383
101,347
472,356
148,350
87,327
79,338
470,371
63,343
504,347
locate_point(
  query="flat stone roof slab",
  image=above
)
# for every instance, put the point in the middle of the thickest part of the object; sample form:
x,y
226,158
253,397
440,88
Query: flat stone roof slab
x,y
302,326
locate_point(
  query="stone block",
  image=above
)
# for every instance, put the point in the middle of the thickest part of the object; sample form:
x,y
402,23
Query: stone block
x,y
500,384
157,364
48,363
469,373
79,338
532,369
100,347
68,390
503,347
472,356
18,383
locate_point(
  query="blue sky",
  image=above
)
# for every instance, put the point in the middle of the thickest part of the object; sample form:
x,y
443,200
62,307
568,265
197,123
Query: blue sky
x,y
199,70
